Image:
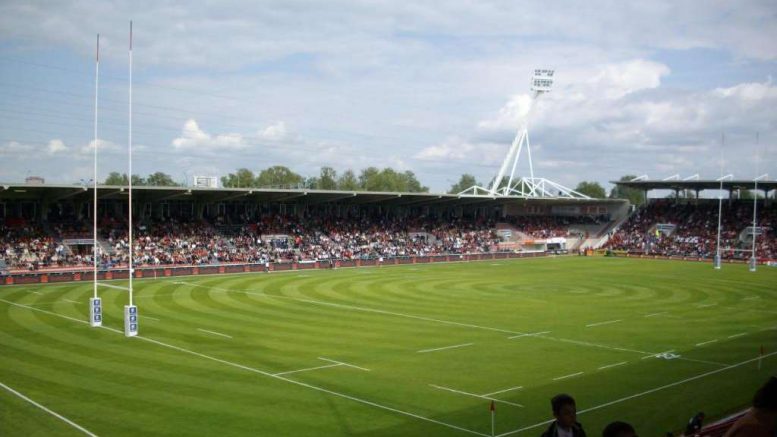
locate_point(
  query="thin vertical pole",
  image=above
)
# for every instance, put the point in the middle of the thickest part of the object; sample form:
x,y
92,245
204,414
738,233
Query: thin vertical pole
x,y
129,141
94,200
717,262
755,204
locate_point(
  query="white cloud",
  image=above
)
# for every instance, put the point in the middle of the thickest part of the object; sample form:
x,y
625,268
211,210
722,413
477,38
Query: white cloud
x,y
192,137
622,121
57,146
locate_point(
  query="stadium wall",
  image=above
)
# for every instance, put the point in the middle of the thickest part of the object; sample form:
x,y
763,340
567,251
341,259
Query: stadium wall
x,y
85,274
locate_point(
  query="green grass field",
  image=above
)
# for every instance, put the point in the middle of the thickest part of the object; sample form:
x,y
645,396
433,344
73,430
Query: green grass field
x,y
401,350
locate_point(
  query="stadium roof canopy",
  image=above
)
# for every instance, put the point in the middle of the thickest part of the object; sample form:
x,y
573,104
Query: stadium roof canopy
x,y
700,185
53,192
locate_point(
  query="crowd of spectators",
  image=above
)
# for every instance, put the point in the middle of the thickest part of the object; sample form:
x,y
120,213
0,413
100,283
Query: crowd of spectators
x,y
268,237
666,227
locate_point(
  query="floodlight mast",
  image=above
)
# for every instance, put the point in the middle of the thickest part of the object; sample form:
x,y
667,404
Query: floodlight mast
x,y
525,187
541,83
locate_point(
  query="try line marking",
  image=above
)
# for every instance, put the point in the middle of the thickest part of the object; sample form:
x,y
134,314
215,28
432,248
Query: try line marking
x,y
647,392
343,364
214,333
591,325
305,370
444,348
503,391
262,372
55,414
439,387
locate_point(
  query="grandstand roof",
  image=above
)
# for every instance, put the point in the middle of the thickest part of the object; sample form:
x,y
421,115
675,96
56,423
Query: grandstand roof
x,y
54,192
702,184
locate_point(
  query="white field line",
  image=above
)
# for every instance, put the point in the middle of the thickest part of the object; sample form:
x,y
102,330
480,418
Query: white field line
x,y
567,376
656,314
752,298
261,372
591,325
503,391
358,308
660,353
529,335
445,348
214,333
151,318
439,387
55,414
741,334
602,346
707,342
646,392
307,369
428,319
687,359
343,364
36,292
43,303
71,301
447,322
706,305
116,287
613,365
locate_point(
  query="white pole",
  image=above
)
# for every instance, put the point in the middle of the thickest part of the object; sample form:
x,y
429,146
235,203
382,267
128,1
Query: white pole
x,y
129,141
95,303
716,263
753,259
94,200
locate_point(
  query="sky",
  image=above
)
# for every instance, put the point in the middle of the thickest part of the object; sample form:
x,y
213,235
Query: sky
x,y
437,88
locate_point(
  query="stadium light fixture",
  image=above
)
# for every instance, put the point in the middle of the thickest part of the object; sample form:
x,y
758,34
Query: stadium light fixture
x,y
527,187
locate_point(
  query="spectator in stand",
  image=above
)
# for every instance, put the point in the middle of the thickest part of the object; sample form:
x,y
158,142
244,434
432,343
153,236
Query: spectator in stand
x,y
619,429
761,420
695,424
565,412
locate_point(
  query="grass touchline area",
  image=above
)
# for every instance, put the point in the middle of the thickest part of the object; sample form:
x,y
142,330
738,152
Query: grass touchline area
x,y
401,351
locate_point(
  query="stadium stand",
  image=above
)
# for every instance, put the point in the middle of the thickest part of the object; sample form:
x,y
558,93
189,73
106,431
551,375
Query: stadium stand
x,y
667,227
37,235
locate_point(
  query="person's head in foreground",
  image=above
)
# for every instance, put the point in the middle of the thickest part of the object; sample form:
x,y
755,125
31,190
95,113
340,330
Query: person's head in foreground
x,y
564,410
619,429
761,420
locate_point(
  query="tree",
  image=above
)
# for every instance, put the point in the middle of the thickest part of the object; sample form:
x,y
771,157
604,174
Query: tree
x,y
369,179
242,178
278,176
116,178
635,196
388,179
327,179
348,181
160,179
591,189
466,181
